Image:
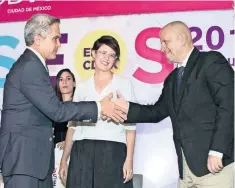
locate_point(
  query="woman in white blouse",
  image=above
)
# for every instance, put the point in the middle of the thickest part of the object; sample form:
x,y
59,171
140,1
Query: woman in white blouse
x,y
101,156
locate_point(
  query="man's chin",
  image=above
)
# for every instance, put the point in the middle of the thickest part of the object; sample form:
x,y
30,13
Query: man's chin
x,y
170,60
52,57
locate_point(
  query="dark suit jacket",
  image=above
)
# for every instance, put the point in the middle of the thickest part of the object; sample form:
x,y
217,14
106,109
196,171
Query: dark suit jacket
x,y
202,114
29,105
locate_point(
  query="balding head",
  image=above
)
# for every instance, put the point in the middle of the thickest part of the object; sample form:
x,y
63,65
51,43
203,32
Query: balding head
x,y
176,41
179,28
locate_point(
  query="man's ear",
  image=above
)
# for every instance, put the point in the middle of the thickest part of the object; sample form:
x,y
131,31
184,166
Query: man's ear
x,y
183,39
37,40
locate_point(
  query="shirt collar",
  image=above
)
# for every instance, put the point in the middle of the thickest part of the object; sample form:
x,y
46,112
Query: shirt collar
x,y
186,59
39,56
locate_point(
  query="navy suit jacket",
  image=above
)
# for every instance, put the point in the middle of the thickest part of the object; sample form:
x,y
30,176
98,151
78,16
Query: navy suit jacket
x,y
29,106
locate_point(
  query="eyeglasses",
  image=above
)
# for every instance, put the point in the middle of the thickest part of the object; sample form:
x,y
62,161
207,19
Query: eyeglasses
x,y
103,54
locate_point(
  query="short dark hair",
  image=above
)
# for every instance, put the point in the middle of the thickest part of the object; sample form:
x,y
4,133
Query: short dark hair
x,y
110,42
57,88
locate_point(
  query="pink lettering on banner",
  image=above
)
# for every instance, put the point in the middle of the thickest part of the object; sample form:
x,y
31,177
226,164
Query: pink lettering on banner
x,y
151,54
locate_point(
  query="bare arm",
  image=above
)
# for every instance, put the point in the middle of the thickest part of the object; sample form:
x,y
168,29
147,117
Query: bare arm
x,y
68,145
130,137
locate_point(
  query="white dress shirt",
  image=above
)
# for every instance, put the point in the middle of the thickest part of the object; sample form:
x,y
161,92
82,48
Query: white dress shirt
x,y
102,130
211,152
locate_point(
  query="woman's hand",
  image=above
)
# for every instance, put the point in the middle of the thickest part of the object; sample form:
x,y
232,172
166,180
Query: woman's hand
x,y
128,170
63,172
60,145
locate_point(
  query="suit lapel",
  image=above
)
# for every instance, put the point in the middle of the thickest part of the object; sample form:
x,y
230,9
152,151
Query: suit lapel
x,y
173,89
34,57
188,69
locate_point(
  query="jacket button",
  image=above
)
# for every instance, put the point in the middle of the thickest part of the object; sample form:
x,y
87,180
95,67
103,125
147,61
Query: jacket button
x,y
50,139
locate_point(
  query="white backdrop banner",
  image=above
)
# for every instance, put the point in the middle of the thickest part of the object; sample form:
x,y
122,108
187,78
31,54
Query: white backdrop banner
x,y
141,61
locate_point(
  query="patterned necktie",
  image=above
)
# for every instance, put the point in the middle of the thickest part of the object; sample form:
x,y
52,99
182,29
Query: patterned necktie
x,y
180,73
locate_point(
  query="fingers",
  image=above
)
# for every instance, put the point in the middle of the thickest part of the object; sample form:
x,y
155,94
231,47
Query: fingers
x,y
60,145
113,111
110,96
121,114
220,164
119,95
124,174
210,168
63,172
104,117
116,115
217,167
63,176
117,118
128,175
119,108
214,164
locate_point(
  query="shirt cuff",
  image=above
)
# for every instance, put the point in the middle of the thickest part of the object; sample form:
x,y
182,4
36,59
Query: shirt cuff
x,y
128,106
130,127
216,154
99,109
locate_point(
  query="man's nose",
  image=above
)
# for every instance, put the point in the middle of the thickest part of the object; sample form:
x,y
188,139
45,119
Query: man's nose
x,y
163,48
58,43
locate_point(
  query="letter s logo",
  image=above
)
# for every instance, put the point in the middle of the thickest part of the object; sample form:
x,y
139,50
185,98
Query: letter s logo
x,y
152,54
5,61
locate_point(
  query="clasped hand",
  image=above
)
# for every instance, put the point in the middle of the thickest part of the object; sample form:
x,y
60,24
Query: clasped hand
x,y
116,110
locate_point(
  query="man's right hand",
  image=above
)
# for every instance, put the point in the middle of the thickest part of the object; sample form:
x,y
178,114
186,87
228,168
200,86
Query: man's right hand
x,y
111,110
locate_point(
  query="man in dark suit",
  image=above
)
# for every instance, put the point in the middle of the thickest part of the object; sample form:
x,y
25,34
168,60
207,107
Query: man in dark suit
x,y
199,98
29,105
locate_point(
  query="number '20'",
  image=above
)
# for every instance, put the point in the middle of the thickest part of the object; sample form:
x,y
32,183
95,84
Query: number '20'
x,y
212,45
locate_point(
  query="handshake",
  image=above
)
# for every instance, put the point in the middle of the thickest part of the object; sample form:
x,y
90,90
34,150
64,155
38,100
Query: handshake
x,y
116,110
